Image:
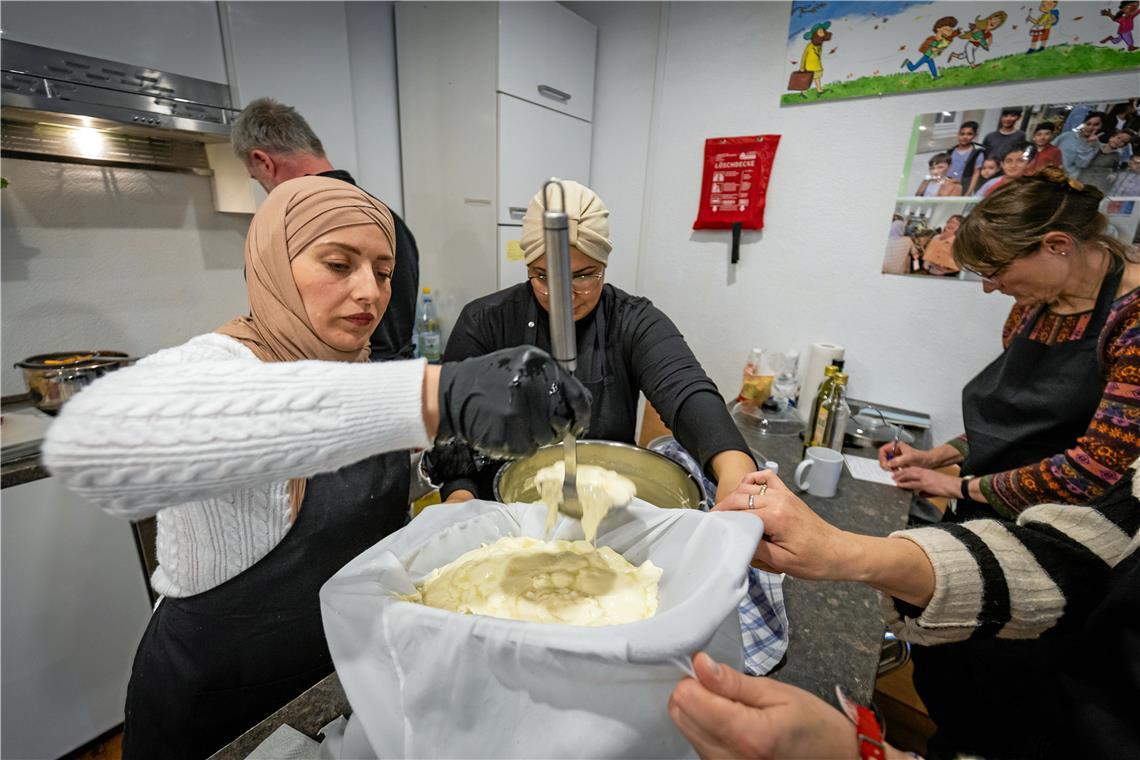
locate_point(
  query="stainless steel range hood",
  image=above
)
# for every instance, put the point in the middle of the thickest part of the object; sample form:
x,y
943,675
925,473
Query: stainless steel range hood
x,y
144,117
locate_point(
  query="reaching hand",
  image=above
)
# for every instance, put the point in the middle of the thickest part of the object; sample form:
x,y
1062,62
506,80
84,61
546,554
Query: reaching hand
x,y
796,539
508,403
724,713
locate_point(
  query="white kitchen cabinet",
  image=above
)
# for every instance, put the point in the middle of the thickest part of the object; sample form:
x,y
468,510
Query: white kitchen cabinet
x,y
547,55
536,144
74,607
469,151
177,37
296,52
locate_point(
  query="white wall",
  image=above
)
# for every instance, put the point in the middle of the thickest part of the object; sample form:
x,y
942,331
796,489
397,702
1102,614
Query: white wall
x,y
120,259
813,272
623,110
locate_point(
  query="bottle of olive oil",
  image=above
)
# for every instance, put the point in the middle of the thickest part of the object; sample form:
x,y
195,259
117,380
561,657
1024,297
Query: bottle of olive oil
x,y
821,393
829,411
840,417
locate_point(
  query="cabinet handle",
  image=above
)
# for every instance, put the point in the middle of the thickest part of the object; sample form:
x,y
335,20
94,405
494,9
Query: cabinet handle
x,y
550,92
517,211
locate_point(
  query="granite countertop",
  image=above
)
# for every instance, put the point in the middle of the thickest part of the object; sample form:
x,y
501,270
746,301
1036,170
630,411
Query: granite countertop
x,y
307,713
836,628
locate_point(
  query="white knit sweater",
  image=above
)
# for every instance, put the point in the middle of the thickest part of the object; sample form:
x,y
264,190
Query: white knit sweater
x,y
206,436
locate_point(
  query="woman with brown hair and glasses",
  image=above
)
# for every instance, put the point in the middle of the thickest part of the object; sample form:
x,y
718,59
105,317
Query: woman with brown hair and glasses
x,y
1054,419
626,346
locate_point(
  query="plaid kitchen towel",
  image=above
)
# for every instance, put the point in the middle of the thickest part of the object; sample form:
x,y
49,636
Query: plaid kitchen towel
x,y
763,622
763,619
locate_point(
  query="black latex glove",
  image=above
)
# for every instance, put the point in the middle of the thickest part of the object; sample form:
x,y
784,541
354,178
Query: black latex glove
x,y
508,403
450,461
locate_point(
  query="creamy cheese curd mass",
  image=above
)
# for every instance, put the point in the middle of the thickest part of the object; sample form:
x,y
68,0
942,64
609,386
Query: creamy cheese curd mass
x,y
599,491
567,582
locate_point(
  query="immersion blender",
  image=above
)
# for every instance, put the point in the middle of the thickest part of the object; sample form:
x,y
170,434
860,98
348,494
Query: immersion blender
x,y
556,236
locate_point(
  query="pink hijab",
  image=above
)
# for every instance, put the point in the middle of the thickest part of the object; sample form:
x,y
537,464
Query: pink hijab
x,y
296,214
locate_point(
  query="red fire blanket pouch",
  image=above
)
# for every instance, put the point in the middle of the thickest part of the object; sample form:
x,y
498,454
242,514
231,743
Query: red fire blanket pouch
x,y
735,184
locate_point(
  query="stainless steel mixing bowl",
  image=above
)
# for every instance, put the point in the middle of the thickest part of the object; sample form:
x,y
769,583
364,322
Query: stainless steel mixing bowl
x,y
659,480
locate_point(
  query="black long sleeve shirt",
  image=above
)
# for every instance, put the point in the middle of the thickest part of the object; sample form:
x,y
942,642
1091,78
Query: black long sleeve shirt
x,y
625,346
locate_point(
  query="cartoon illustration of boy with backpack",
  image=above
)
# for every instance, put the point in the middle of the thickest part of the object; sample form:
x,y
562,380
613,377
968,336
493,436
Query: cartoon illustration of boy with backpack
x,y
945,30
1042,25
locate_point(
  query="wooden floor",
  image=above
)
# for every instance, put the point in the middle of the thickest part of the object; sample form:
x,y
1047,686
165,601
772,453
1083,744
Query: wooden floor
x,y
109,746
908,725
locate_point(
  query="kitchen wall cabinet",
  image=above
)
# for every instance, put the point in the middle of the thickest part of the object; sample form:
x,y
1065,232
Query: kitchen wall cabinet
x,y
536,144
177,37
546,56
477,141
75,606
296,53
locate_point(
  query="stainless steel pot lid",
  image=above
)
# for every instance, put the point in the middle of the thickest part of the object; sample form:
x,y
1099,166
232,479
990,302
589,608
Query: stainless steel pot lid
x,y
73,360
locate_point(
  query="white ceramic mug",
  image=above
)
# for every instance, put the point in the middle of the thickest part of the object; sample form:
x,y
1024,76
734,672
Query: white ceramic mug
x,y
819,473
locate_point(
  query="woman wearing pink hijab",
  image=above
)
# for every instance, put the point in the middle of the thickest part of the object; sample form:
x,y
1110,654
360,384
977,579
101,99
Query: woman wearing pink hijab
x,y
273,452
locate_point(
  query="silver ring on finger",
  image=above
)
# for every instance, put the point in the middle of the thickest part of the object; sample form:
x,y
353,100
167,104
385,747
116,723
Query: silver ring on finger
x,y
751,501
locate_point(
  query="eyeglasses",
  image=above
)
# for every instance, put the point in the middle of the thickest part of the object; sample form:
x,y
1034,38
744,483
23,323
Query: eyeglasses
x,y
582,284
991,277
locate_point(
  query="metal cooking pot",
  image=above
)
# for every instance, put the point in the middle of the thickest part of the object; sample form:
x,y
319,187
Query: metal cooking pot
x,y
54,378
868,429
659,480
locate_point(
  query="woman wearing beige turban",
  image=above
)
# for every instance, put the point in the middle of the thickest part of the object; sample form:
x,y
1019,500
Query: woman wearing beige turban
x,y
272,453
625,346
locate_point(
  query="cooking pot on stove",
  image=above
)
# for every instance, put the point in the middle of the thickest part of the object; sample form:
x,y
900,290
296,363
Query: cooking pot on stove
x,y
659,480
54,378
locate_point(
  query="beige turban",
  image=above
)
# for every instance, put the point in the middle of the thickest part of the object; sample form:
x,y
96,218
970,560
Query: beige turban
x,y
588,217
294,215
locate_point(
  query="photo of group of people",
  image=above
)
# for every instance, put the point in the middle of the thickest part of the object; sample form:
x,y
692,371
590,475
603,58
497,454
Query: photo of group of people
x,y
956,158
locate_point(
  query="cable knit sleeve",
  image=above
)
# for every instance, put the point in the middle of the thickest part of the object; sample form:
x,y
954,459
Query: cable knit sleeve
x,y
207,418
1018,580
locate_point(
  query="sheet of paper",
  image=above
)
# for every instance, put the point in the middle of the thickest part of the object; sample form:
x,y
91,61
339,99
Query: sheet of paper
x,y
862,468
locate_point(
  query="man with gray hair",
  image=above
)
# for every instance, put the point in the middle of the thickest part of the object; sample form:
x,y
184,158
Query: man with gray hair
x,y
276,144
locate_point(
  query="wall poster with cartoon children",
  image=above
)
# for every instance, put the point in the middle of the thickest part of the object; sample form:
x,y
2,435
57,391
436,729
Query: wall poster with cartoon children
x,y
855,49
956,158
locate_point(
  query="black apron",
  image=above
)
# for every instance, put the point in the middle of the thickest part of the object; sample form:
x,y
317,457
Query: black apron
x,y
1034,400
612,417
989,696
213,665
